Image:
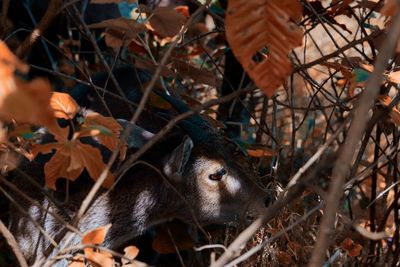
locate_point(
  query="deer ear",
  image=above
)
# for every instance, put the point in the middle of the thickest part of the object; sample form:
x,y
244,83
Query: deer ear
x,y
176,163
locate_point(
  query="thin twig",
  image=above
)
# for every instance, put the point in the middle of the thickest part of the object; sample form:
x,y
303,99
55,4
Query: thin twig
x,y
13,245
291,192
356,131
44,23
267,241
90,197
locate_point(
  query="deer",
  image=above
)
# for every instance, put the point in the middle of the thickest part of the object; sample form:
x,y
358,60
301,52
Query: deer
x,y
194,174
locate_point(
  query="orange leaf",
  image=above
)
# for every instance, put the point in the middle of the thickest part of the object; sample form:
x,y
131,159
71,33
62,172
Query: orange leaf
x,y
261,153
9,62
71,157
21,100
59,166
44,148
91,158
64,105
353,250
27,102
131,253
96,236
107,129
184,10
77,261
264,29
99,259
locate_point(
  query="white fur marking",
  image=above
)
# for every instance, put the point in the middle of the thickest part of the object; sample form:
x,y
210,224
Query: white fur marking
x,y
233,185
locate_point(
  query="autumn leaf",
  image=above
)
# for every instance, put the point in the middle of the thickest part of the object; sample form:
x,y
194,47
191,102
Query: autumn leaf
x,y
353,249
284,259
9,62
394,113
390,8
261,34
184,10
63,105
131,253
23,101
70,159
259,150
120,31
166,21
106,129
199,76
77,261
261,153
96,237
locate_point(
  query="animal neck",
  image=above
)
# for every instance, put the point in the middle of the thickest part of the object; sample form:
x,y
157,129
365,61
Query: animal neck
x,y
132,207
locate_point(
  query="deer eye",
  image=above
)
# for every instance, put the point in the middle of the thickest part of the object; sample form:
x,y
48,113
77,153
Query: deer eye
x,y
218,175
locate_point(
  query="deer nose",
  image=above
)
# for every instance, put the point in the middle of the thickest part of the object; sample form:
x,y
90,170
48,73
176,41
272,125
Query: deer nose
x,y
268,201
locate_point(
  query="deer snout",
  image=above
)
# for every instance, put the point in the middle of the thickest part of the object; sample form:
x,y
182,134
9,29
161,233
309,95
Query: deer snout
x,y
268,200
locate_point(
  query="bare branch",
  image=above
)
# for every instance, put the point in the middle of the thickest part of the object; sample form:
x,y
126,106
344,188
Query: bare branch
x,y
356,131
13,244
45,22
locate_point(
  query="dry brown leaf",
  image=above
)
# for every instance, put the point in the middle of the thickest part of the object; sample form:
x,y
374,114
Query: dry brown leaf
x,y
261,153
199,76
64,105
394,113
107,129
77,261
120,31
255,26
166,21
29,103
131,253
9,62
184,10
346,72
96,237
71,157
353,249
284,259
23,101
390,8
99,258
